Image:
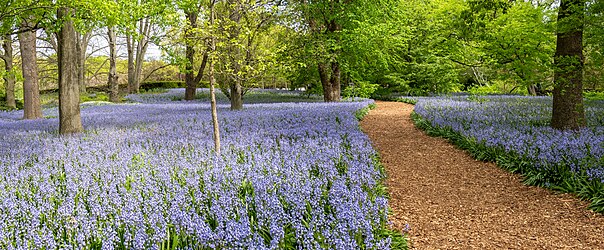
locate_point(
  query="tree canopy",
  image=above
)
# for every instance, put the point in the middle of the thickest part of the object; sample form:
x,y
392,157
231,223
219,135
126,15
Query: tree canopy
x,y
337,48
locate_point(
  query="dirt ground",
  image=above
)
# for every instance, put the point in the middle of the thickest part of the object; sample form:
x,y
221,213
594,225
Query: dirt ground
x,y
452,201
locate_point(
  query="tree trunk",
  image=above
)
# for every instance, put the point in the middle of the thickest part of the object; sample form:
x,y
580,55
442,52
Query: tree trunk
x,y
141,49
81,45
334,94
132,89
532,90
69,96
236,96
9,77
31,89
330,80
212,84
568,110
190,55
112,82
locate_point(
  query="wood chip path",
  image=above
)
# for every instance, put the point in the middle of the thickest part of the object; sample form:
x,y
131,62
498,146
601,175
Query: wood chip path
x,y
452,201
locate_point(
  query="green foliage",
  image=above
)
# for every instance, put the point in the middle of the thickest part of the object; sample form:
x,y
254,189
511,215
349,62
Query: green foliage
x,y
360,89
497,87
97,96
521,44
407,100
3,106
452,45
361,113
593,95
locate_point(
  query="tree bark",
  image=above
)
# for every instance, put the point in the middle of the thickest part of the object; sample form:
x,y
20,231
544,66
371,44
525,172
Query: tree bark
x,y
212,49
31,89
190,55
141,50
112,82
568,111
69,95
330,80
132,89
82,41
136,58
532,90
334,81
236,96
9,77
235,78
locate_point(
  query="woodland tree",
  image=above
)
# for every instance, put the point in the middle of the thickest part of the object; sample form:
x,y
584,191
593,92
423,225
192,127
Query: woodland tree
x,y
69,99
9,74
243,23
31,90
112,78
568,110
192,38
324,20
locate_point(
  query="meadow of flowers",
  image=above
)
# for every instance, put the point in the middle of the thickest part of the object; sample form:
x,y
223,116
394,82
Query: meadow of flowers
x,y
145,176
514,131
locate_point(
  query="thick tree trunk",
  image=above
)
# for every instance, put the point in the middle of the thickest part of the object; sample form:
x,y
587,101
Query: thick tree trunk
x,y
31,89
69,96
112,78
335,80
236,96
9,77
568,110
132,89
324,77
190,55
330,80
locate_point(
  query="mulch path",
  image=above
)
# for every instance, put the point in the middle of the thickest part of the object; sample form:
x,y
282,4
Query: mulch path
x,y
452,201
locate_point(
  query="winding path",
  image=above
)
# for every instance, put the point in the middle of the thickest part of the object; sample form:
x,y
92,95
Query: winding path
x,y
452,201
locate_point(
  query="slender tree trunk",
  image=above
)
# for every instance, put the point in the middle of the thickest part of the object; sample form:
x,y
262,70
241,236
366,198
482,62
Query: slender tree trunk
x,y
190,55
236,95
212,91
69,95
130,47
9,77
82,41
31,89
568,110
532,90
141,50
112,78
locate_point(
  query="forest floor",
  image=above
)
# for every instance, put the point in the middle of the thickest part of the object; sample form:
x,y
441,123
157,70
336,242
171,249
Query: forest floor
x,y
452,201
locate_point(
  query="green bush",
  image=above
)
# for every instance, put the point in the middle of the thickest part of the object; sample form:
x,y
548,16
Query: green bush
x,y
96,96
162,85
3,106
594,95
361,89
